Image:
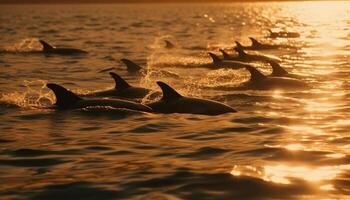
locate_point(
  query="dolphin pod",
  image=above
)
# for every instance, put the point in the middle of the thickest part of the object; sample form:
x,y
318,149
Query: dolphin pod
x,y
125,96
171,102
49,49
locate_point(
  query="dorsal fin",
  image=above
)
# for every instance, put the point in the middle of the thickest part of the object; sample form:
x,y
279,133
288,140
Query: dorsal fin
x,y
46,46
120,83
169,44
239,49
214,57
64,97
255,75
254,42
277,70
225,54
131,66
169,93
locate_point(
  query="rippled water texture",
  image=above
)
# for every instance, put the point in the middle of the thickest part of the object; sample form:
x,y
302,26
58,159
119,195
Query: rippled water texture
x,y
280,145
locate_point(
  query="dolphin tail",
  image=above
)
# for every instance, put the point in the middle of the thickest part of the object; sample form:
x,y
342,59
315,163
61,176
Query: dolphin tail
x,y
131,66
120,83
225,54
255,75
64,97
277,70
169,93
45,45
254,41
214,57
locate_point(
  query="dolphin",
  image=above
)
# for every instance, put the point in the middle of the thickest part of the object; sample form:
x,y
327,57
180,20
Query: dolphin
x,y
131,67
259,81
218,63
136,69
283,34
245,57
256,45
49,49
122,90
279,71
66,99
173,102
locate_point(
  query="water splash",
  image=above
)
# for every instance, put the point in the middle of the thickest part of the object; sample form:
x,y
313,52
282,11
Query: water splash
x,y
36,95
25,46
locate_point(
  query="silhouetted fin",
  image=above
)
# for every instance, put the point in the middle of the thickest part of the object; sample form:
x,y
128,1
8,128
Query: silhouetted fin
x,y
225,54
239,49
169,94
120,83
46,46
131,66
214,57
64,97
169,44
277,70
254,42
255,75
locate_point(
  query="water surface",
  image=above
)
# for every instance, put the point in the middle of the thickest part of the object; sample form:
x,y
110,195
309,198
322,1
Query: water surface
x,y
280,145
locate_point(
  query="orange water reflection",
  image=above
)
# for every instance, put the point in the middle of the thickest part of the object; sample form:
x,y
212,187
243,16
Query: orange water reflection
x,y
287,174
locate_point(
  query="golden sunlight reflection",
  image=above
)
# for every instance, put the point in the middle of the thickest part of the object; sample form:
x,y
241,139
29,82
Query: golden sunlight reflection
x,y
317,106
284,174
342,122
335,155
294,147
304,129
327,187
290,147
276,94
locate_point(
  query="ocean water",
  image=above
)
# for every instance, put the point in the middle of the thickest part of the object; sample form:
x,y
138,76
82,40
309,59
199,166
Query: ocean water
x,y
281,144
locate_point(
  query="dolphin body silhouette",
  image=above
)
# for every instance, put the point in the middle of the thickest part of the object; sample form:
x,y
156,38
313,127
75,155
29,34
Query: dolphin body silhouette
x,y
259,81
256,45
173,102
218,63
245,57
66,99
279,71
49,49
283,34
123,90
